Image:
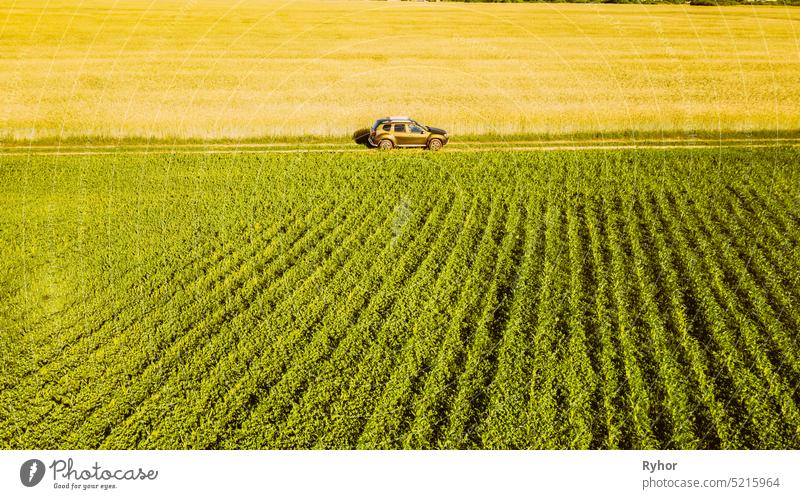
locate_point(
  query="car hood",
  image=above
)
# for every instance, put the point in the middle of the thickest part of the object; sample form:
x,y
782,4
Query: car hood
x,y
436,130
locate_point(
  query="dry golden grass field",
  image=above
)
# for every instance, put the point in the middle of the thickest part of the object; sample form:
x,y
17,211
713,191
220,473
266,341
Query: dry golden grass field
x,y
210,69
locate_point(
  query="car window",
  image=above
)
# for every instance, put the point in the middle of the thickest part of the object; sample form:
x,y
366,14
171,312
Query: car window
x,y
416,129
387,127
399,128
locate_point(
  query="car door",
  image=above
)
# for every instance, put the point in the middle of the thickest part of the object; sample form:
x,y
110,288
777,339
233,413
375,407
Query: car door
x,y
401,135
417,135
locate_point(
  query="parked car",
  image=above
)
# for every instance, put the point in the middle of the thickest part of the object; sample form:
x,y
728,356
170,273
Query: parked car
x,y
402,131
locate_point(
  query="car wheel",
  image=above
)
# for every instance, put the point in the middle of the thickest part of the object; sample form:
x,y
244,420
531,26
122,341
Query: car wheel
x,y
385,144
435,144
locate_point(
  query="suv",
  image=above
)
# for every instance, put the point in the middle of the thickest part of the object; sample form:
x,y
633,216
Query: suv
x,y
401,131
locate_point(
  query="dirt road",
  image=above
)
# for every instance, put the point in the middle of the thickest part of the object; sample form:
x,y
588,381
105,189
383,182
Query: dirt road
x,y
289,148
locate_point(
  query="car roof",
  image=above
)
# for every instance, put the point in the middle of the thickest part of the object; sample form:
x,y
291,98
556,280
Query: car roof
x,y
395,118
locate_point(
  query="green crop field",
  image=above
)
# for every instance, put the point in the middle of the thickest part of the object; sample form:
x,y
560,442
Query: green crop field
x,y
601,299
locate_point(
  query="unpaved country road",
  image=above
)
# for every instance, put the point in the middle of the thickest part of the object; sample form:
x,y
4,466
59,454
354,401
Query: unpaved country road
x,y
287,148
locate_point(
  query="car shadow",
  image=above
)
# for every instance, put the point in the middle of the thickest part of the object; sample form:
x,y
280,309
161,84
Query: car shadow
x,y
361,137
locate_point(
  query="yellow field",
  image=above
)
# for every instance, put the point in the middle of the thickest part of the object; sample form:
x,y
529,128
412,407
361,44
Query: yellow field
x,y
238,69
